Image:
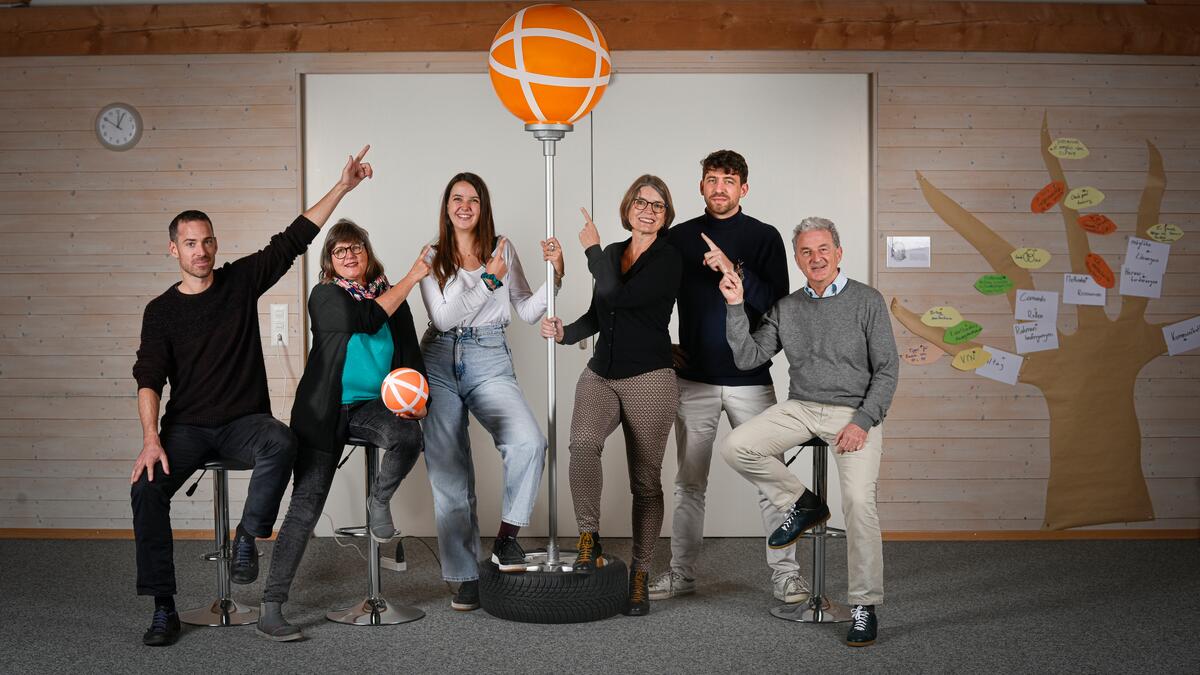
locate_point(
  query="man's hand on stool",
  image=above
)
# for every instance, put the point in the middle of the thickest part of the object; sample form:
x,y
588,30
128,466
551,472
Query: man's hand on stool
x,y
851,438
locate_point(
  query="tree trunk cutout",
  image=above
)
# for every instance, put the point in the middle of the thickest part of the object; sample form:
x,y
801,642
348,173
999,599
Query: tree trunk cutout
x,y
1088,382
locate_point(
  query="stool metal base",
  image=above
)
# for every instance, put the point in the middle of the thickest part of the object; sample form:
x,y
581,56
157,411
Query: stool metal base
x,y
538,560
220,613
816,610
375,612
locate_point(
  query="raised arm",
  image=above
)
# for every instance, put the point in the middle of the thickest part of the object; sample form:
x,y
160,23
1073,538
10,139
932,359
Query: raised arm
x,y
353,173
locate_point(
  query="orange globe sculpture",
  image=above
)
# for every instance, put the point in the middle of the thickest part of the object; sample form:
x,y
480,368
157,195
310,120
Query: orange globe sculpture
x,y
549,64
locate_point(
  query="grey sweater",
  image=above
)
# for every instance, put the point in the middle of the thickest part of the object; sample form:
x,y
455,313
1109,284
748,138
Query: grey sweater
x,y
840,349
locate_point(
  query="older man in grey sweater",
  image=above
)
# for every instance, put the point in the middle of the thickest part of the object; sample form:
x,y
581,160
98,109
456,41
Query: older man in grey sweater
x,y
843,367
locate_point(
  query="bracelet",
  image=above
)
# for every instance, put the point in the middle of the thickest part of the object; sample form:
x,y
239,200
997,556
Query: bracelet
x,y
496,283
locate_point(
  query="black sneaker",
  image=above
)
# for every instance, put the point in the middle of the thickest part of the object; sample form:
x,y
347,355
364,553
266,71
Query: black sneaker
x,y
639,594
863,626
590,555
243,569
164,628
508,554
806,513
467,597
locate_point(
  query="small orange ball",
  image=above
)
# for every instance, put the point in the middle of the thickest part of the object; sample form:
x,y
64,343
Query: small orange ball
x,y
405,390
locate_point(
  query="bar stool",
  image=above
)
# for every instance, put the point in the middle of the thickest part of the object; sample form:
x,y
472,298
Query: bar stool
x,y
223,611
818,609
374,610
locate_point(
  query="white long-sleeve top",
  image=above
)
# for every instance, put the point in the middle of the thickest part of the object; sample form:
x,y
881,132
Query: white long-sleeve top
x,y
467,301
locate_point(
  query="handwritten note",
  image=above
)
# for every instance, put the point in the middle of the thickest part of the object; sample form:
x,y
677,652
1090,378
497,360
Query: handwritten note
x,y
941,317
1150,257
1082,289
1082,198
1183,336
961,332
1048,196
1140,284
921,354
1030,258
1097,223
1165,232
1002,367
1101,273
1035,336
993,284
970,359
1036,306
1068,148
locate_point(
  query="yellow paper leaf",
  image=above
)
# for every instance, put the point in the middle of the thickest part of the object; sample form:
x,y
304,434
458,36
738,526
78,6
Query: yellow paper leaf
x,y
1068,148
1082,198
941,317
970,359
1165,232
1030,258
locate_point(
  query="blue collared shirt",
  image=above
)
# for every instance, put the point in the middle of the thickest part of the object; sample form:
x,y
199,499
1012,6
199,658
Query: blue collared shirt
x,y
833,289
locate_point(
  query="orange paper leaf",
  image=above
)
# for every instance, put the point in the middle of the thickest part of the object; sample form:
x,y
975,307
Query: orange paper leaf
x,y
1097,223
1100,270
1048,196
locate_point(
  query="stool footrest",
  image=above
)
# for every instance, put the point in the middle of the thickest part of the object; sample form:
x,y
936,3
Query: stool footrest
x,y
830,532
354,531
816,610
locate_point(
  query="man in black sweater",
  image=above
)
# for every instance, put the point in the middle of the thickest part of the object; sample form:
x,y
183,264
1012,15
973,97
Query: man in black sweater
x,y
723,238
202,337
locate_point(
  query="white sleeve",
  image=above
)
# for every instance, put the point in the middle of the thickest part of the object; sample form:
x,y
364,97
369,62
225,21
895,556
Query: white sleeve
x,y
449,310
530,305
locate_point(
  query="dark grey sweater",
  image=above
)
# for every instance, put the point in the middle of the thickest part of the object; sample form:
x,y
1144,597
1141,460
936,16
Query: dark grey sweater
x,y
840,349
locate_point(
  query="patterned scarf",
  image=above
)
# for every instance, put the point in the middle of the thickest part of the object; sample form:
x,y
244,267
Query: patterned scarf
x,y
360,292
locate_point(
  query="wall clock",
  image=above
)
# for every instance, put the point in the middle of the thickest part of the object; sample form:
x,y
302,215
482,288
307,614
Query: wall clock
x,y
118,126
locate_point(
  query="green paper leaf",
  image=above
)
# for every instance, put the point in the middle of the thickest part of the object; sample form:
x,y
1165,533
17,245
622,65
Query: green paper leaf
x,y
961,332
993,284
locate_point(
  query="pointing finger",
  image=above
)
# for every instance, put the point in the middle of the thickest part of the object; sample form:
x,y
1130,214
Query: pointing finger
x,y
362,153
586,216
711,245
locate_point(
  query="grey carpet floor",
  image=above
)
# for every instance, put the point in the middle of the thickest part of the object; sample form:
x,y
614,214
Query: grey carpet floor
x,y
1044,607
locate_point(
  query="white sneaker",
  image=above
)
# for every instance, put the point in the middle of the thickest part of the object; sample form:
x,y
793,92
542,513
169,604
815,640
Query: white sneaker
x,y
670,584
792,589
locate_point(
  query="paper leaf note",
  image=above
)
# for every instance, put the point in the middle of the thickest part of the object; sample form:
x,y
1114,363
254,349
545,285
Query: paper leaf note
x,y
941,317
970,359
993,284
1068,148
1165,232
1082,289
1035,336
1036,306
1030,258
1183,336
1048,197
1148,257
1083,198
1140,284
1100,271
959,333
1002,367
1097,223
921,354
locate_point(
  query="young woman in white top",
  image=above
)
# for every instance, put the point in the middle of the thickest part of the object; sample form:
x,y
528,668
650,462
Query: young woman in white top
x,y
476,278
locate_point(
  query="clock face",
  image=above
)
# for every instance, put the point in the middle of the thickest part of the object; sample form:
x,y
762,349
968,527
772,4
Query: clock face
x,y
119,126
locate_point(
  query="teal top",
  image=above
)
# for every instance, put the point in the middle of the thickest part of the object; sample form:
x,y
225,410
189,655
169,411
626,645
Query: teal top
x,y
368,361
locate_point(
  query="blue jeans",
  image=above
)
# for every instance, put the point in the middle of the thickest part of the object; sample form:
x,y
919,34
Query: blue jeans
x,y
470,369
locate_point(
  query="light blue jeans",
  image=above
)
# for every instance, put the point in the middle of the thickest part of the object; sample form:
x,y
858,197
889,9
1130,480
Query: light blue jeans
x,y
470,369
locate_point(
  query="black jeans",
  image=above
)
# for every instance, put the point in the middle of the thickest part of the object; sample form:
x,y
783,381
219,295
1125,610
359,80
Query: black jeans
x,y
258,440
370,421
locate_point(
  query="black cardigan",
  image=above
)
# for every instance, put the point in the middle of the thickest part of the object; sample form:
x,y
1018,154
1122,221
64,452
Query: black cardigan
x,y
335,316
631,311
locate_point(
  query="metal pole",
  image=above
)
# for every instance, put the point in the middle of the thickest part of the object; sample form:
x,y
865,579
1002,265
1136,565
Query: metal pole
x,y
373,586
818,583
221,534
548,149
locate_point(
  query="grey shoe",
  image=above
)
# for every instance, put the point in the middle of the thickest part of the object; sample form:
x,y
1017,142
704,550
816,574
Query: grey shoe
x,y
379,521
792,589
671,584
273,626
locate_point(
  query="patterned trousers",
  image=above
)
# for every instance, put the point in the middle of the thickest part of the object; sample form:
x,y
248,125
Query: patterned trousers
x,y
645,406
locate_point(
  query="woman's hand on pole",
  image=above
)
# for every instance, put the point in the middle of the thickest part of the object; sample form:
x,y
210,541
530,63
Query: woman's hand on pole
x,y
552,252
552,327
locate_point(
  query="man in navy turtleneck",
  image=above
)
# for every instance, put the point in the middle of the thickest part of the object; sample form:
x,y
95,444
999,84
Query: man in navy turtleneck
x,y
723,238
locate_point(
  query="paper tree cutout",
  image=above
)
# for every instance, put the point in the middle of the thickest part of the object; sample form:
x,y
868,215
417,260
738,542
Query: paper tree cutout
x,y
1088,382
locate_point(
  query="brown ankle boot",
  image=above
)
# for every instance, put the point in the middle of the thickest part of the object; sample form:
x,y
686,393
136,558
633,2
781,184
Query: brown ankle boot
x,y
639,594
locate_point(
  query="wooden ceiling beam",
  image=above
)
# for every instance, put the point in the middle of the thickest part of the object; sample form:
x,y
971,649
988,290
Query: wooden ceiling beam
x,y
914,25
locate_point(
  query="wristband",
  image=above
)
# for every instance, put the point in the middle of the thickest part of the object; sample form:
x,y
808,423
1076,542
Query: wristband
x,y
496,283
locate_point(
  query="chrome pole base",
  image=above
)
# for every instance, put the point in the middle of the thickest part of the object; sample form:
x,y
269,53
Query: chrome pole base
x,y
816,610
375,612
220,613
540,561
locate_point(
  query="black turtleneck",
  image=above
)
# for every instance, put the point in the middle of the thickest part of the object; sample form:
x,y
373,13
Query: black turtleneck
x,y
759,249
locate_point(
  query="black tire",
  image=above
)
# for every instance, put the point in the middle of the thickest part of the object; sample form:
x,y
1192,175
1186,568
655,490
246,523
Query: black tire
x,y
553,597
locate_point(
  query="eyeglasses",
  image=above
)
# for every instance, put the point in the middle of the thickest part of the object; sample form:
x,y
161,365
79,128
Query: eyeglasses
x,y
640,204
341,251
